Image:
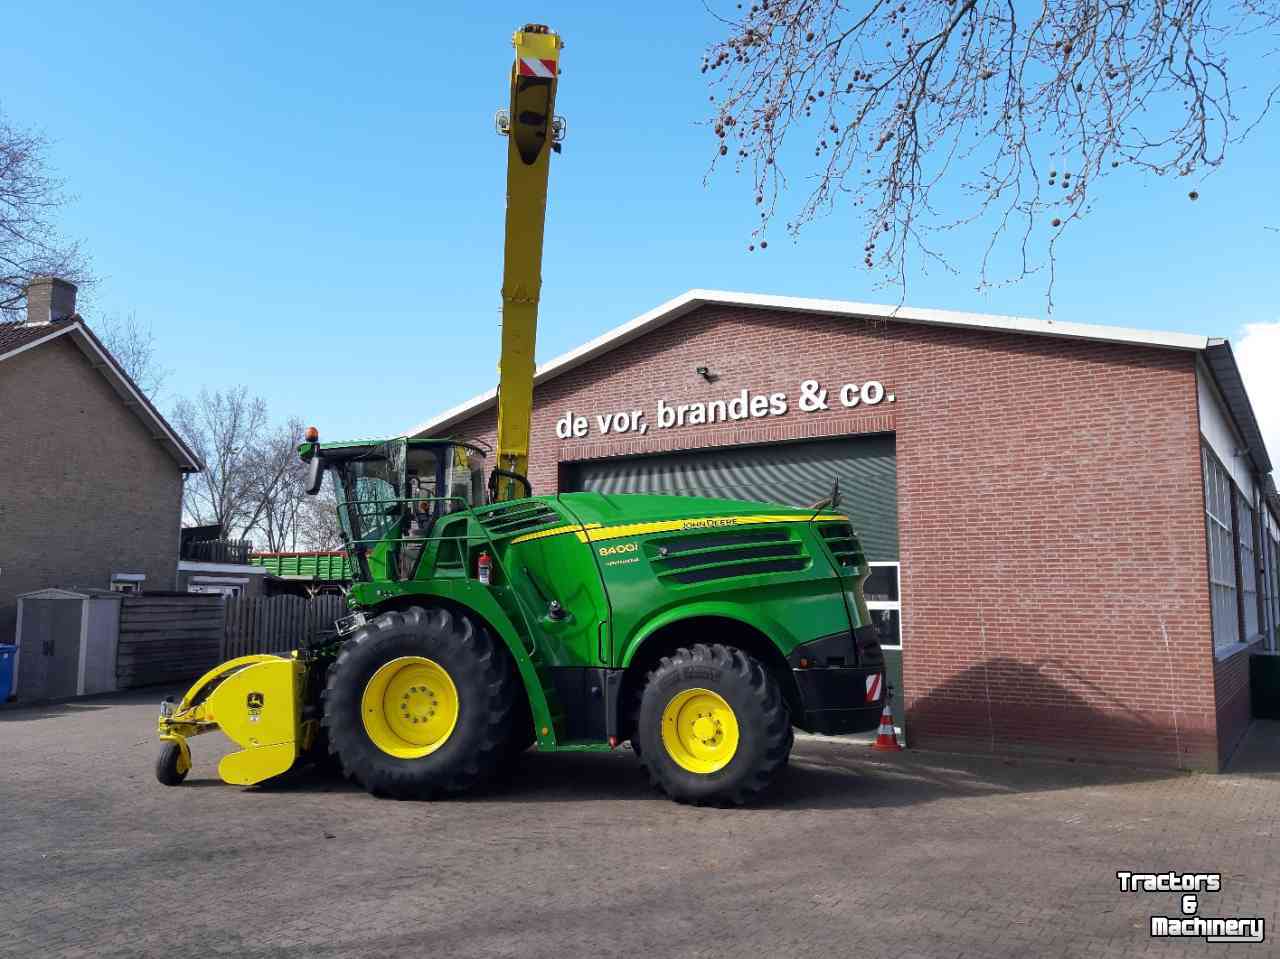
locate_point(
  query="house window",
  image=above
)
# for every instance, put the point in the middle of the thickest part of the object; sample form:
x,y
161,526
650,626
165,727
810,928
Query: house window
x,y
1271,582
225,586
127,582
1246,543
1274,581
880,590
1222,559
210,588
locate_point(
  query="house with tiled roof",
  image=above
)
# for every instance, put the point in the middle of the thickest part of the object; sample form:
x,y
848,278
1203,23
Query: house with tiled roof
x,y
91,475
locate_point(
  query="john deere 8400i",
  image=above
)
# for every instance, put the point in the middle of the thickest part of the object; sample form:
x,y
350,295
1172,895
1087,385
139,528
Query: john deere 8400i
x,y
485,620
700,630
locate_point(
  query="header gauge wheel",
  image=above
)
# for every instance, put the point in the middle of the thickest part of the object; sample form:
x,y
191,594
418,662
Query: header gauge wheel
x,y
713,726
171,766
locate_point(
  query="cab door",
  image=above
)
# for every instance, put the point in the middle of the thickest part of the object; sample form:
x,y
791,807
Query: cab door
x,y
560,591
553,578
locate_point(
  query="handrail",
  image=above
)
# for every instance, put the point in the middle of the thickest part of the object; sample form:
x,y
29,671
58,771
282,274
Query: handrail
x,y
229,551
380,505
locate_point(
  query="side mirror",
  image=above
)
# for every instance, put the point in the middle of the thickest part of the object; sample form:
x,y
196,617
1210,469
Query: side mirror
x,y
515,477
315,474
832,501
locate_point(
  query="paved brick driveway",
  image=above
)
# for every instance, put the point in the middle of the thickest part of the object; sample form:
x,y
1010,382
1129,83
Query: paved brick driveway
x,y
859,856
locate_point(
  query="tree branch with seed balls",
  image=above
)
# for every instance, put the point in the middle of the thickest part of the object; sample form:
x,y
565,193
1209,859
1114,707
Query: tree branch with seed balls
x,y
30,245
932,117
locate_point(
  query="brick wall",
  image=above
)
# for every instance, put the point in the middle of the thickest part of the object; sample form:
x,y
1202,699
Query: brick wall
x,y
86,491
1234,701
1050,513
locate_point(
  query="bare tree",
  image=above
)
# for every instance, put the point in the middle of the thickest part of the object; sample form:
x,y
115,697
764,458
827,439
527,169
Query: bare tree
x,y
317,521
226,430
30,197
930,115
134,348
253,480
276,480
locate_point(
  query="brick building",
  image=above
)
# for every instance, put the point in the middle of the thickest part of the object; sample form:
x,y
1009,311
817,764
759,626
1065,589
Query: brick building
x,y
90,473
1073,532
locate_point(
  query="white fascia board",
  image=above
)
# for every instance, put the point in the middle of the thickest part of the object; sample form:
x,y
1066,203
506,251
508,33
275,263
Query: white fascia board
x,y
119,379
988,321
89,346
612,339
190,566
53,592
34,343
459,412
687,302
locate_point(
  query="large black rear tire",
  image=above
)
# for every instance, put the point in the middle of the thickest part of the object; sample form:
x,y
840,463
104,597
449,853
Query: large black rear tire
x,y
720,683
480,675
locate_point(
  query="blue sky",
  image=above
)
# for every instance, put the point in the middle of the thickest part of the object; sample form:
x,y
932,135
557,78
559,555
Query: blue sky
x,y
308,199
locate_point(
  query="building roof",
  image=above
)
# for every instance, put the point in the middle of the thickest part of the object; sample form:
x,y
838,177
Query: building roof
x,y
1222,362
55,593
1217,352
17,338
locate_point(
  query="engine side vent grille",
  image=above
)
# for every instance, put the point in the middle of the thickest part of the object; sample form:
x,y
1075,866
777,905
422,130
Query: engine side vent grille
x,y
842,543
704,557
520,518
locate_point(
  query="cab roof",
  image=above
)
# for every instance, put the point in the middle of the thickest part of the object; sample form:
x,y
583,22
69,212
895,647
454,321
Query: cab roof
x,y
344,449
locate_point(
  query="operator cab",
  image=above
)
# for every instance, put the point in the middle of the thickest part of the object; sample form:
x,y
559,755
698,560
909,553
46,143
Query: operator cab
x,y
441,479
391,495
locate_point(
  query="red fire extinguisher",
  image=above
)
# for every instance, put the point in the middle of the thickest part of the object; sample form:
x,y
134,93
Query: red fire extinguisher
x,y
484,568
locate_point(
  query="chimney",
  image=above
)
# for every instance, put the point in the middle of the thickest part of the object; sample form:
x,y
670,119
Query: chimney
x,y
50,299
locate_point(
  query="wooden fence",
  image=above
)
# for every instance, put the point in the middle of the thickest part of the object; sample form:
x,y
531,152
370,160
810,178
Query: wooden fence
x,y
173,637
276,624
165,637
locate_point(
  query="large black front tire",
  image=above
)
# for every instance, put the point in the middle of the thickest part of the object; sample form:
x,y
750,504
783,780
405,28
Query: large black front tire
x,y
481,675
765,736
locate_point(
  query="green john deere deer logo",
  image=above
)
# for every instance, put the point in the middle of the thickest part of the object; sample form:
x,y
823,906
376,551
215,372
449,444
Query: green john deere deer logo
x,y
254,701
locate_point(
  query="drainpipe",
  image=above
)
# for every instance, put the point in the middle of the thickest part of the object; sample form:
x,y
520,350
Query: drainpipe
x,y
182,498
1260,556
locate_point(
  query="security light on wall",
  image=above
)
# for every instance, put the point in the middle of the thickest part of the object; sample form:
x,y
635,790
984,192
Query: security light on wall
x,y
705,373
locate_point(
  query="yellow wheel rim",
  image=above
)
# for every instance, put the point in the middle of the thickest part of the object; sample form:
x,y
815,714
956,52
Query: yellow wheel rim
x,y
700,731
409,707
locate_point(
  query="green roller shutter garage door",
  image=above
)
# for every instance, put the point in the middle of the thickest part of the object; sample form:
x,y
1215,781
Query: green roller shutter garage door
x,y
798,474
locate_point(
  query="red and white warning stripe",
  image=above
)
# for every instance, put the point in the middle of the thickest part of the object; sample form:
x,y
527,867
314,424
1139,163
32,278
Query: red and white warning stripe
x,y
873,688
537,67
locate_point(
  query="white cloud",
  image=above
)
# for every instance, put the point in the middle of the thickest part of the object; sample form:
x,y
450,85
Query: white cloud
x,y
1258,354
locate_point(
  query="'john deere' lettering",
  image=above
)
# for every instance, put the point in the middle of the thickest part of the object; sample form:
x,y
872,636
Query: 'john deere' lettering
x,y
713,521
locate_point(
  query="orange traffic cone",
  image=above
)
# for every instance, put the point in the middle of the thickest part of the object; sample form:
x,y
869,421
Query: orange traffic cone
x,y
887,738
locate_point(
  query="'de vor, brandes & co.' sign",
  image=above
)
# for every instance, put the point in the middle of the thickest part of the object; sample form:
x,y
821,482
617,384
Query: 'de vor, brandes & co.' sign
x,y
746,405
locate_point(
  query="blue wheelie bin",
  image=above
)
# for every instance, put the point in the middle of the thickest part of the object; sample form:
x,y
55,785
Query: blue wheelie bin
x,y
7,656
